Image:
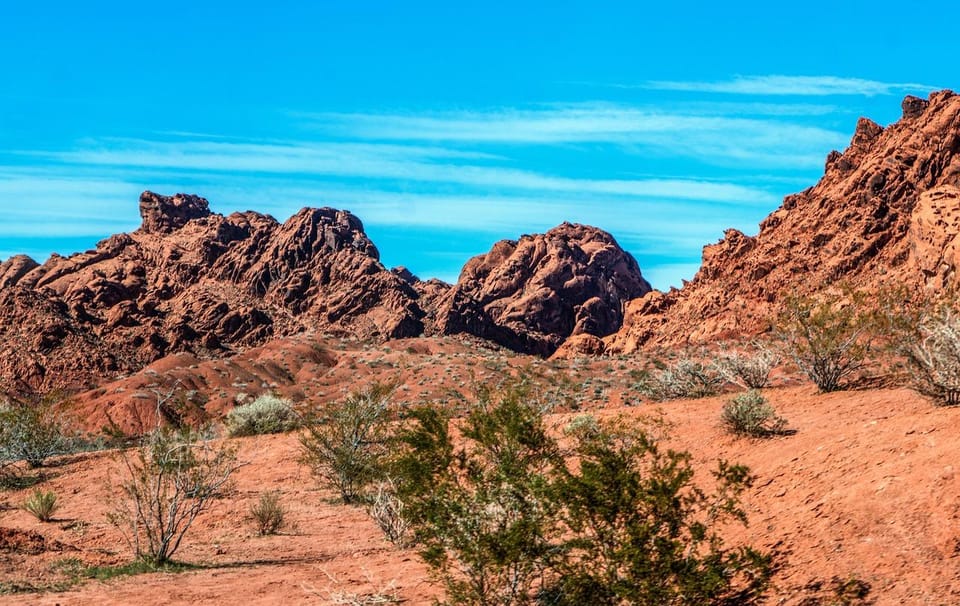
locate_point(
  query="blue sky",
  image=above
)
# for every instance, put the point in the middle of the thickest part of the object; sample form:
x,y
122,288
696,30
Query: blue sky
x,y
447,127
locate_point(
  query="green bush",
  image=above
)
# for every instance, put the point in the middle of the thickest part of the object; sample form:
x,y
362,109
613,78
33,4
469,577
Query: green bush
x,y
42,505
266,414
637,530
482,512
345,443
686,378
502,518
749,414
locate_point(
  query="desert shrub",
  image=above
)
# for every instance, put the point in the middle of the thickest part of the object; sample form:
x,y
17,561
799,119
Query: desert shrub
x,y
502,518
266,414
750,414
828,338
686,378
387,510
345,443
931,343
33,433
171,478
748,370
42,505
269,515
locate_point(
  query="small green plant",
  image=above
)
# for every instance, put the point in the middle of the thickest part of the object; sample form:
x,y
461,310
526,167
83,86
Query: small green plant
x,y
269,514
267,414
686,378
345,443
749,414
42,505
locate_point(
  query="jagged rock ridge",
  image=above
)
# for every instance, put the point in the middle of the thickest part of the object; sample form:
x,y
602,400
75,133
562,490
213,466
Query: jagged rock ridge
x,y
192,280
887,210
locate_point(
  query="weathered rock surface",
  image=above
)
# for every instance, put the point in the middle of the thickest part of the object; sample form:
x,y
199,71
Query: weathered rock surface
x,y
191,280
887,211
531,294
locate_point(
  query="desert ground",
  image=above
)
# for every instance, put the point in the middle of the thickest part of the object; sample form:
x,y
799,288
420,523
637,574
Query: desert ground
x,y
863,495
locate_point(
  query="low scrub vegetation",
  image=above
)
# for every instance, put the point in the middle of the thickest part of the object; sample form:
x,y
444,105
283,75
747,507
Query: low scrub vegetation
x,y
344,444
269,515
687,378
34,433
171,478
931,343
749,414
829,338
266,414
749,370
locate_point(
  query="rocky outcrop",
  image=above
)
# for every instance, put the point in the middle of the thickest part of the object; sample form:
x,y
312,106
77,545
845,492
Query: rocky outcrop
x,y
885,212
531,294
191,280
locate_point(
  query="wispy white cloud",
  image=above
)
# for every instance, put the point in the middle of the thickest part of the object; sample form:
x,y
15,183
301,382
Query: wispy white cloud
x,y
372,161
806,86
705,133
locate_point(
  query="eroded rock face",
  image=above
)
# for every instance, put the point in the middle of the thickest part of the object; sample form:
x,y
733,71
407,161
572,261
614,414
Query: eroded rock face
x,y
531,294
191,280
164,214
885,212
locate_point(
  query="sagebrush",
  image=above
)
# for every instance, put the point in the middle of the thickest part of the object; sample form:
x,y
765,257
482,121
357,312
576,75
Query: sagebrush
x,y
266,414
687,378
750,414
748,369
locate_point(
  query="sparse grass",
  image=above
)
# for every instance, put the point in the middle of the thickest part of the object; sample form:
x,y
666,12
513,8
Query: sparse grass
x,y
42,504
269,514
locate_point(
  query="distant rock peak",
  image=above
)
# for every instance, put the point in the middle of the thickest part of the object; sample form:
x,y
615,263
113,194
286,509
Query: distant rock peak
x,y
166,214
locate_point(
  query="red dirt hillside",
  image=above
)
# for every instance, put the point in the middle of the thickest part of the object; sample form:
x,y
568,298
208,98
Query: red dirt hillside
x,y
886,210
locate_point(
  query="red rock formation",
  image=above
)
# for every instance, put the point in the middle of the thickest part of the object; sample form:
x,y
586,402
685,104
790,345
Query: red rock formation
x,y
192,280
887,210
530,295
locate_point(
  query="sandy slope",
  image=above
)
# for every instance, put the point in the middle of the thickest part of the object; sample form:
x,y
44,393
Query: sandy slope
x,y
865,489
